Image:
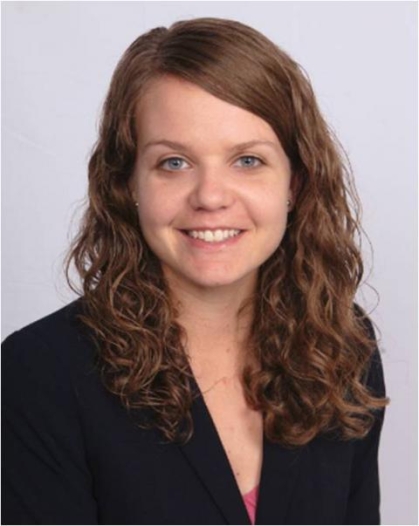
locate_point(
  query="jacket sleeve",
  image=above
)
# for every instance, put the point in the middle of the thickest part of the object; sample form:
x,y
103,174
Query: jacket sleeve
x,y
364,498
45,474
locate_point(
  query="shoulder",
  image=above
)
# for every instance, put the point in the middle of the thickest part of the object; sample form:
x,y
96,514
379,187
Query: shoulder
x,y
56,343
374,375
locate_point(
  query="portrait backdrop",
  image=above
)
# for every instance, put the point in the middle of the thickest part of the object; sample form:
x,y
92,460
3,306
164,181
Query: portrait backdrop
x,y
57,61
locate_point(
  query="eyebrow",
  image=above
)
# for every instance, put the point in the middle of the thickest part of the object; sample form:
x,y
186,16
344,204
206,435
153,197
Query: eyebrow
x,y
180,146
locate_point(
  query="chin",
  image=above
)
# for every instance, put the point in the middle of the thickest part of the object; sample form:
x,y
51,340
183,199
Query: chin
x,y
207,277
214,281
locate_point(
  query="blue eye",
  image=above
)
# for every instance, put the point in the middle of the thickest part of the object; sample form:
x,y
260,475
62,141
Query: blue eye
x,y
172,163
251,161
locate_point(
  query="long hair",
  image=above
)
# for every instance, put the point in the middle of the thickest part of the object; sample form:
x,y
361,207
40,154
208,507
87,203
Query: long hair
x,y
311,343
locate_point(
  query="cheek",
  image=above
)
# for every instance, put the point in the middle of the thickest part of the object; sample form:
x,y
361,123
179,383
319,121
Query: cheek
x,y
156,207
270,206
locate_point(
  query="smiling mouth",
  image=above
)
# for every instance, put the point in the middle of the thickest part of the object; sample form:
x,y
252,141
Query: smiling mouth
x,y
213,236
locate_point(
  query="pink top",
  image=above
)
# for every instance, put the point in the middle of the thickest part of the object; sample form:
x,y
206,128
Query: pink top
x,y
250,500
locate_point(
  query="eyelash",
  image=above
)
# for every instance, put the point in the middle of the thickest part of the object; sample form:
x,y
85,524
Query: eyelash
x,y
260,161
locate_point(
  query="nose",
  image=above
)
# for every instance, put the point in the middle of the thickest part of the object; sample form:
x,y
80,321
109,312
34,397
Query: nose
x,y
210,190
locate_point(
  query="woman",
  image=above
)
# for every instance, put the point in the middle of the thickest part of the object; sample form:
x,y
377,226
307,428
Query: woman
x,y
215,369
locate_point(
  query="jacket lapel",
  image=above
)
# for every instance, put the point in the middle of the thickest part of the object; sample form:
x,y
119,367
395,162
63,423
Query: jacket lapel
x,y
280,469
206,455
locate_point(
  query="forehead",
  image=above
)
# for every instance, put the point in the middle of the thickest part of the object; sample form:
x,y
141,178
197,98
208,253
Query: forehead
x,y
178,110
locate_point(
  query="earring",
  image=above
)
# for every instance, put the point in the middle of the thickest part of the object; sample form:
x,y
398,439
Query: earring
x,y
288,203
136,204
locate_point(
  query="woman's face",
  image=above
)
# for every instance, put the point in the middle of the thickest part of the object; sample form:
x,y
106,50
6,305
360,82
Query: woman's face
x,y
212,183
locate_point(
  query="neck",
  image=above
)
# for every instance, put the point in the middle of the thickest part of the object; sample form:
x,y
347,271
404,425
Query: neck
x,y
216,324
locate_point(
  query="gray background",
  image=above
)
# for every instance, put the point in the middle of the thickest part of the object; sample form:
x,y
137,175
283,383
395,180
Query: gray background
x,y
57,60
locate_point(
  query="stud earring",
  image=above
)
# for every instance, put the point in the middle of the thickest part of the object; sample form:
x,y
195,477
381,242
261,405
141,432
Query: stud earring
x,y
288,203
136,204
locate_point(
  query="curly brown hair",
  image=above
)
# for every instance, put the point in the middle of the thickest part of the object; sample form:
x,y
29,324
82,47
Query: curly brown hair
x,y
312,344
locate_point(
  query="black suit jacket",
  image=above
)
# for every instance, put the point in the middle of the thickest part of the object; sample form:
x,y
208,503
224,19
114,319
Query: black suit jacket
x,y
73,455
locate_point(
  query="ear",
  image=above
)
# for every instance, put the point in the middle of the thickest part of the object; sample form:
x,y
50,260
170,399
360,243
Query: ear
x,y
294,189
131,187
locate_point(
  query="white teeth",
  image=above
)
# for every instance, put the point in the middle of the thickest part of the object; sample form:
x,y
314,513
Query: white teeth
x,y
211,236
